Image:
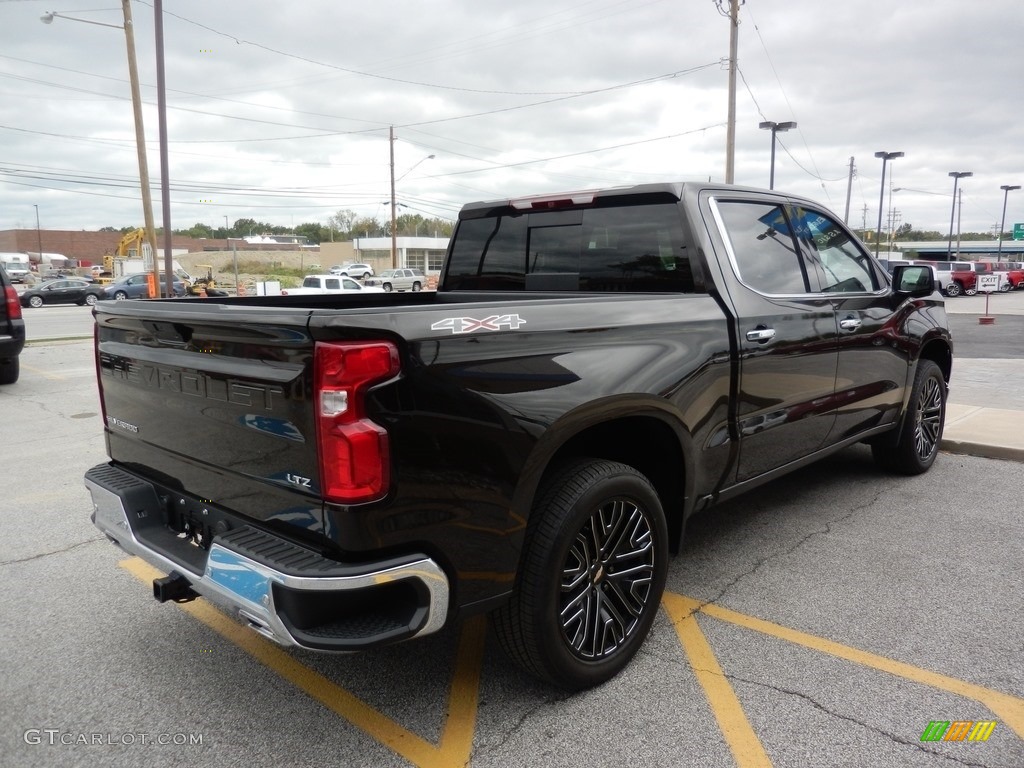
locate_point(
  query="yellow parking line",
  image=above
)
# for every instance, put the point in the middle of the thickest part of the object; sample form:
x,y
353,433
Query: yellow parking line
x,y
1007,708
739,735
460,724
41,372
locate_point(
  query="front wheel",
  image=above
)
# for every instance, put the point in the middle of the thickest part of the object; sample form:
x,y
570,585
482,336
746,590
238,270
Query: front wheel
x,y
120,296
90,299
972,291
1005,286
417,287
590,578
912,448
35,301
954,289
388,287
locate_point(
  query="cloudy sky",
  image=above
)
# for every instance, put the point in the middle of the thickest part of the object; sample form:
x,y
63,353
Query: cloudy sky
x,y
280,112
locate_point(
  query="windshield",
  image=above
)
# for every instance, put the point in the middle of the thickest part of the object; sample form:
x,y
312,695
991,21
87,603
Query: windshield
x,y
389,273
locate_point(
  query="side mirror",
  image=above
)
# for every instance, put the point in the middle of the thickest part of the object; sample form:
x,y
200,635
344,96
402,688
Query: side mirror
x,y
914,280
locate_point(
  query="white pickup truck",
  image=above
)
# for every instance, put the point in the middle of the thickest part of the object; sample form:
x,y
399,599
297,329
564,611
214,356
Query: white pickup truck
x,y
313,285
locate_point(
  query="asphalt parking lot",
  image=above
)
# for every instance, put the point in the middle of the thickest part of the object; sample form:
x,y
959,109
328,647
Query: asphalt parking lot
x,y
827,619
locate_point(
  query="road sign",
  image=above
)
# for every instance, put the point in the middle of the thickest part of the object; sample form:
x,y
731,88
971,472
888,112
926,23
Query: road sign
x,y
988,283
1018,231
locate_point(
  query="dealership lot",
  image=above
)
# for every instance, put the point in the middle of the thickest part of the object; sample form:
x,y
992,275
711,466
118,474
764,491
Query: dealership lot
x,y
824,620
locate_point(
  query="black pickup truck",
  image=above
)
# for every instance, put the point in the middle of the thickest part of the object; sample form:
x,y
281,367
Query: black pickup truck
x,y
529,440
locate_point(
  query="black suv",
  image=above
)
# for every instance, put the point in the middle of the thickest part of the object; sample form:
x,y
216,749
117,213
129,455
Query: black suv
x,y
12,330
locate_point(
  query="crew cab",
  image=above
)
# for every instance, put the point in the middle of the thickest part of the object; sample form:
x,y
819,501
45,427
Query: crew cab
x,y
343,471
315,285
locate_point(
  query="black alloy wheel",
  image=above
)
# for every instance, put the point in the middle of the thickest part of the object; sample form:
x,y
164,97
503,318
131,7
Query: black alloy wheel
x,y
592,574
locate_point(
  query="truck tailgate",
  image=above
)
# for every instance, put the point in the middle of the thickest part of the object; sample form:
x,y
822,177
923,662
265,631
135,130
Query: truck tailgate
x,y
217,398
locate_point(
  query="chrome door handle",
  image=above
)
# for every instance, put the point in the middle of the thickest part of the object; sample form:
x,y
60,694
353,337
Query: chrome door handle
x,y
761,334
850,324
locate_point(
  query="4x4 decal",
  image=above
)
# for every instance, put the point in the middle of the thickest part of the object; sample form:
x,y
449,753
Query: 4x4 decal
x,y
471,324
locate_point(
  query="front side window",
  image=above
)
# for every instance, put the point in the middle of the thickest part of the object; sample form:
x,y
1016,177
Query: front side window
x,y
764,249
845,267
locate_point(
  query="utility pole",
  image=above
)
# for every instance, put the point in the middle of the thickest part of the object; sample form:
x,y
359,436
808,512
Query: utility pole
x,y
140,143
849,189
394,206
730,130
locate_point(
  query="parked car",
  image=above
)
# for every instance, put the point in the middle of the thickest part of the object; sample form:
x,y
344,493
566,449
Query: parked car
x,y
67,291
1014,271
137,287
399,280
12,330
999,270
957,278
361,271
317,284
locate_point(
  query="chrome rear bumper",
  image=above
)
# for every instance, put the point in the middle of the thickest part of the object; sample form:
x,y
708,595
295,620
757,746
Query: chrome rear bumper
x,y
287,593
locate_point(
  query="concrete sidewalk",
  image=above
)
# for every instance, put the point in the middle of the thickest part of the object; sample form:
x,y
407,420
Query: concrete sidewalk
x,y
985,413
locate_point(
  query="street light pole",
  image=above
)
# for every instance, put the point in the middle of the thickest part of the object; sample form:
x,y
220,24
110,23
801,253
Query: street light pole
x,y
957,175
39,234
774,128
886,157
1007,189
140,132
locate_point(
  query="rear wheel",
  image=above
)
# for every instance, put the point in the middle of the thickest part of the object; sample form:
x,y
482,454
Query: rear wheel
x,y
912,449
970,291
591,577
1005,286
954,289
417,287
388,287
90,299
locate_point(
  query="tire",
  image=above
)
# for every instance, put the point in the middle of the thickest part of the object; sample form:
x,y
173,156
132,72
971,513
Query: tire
x,y
1005,286
35,301
954,289
595,553
366,275
970,291
417,287
9,370
90,299
388,287
912,448
120,296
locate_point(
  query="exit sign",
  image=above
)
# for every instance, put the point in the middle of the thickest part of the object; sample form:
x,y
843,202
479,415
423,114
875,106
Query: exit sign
x,y
1018,231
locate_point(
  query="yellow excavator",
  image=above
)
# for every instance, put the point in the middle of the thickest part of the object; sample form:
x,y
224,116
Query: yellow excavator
x,y
130,247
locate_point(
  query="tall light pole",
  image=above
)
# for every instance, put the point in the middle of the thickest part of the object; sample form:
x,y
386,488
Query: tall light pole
x,y
1007,189
775,128
140,131
394,201
886,157
957,175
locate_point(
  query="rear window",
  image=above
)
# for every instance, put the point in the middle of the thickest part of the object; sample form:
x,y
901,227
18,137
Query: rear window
x,y
639,248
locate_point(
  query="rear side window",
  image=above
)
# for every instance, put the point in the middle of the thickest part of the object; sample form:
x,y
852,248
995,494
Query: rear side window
x,y
638,248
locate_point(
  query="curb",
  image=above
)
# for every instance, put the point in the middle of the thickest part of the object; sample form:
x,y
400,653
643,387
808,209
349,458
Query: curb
x,y
983,450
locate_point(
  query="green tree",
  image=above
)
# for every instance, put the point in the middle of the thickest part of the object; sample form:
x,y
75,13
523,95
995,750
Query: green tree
x,y
312,230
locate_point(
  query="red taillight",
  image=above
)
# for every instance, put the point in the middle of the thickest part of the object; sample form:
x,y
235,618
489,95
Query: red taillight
x,y
354,454
13,305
